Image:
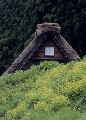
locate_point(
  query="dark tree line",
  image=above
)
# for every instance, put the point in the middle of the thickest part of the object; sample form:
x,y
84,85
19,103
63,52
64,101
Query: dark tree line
x,y
18,20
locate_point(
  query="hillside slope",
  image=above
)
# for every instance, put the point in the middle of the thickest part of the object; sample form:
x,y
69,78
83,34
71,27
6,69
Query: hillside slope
x,y
45,92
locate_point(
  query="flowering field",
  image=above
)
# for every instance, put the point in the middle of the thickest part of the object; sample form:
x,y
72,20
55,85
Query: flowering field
x,y
50,91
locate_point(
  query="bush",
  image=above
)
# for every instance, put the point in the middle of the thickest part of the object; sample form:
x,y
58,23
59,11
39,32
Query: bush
x,y
43,89
84,58
37,115
41,105
48,65
58,102
16,113
82,103
66,114
3,110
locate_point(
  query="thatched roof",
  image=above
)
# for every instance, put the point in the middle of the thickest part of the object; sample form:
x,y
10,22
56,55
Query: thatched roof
x,y
28,52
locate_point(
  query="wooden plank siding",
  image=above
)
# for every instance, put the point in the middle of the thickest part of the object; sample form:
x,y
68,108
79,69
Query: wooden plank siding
x,y
50,43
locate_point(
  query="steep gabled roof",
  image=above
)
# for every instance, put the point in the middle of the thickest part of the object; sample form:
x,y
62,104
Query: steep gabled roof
x,y
41,31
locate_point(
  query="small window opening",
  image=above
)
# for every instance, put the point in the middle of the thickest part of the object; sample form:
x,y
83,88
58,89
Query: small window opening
x,y
49,51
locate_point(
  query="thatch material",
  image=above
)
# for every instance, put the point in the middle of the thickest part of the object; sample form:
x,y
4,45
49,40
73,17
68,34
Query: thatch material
x,y
42,29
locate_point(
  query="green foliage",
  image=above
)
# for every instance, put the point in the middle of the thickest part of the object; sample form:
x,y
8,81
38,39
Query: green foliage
x,y
67,114
84,58
48,65
3,110
82,103
37,115
15,85
47,91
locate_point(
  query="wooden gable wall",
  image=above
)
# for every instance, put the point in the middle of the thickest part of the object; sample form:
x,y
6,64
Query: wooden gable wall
x,y
40,53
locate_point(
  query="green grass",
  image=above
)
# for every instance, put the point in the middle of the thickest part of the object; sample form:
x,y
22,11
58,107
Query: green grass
x,y
50,91
62,114
66,114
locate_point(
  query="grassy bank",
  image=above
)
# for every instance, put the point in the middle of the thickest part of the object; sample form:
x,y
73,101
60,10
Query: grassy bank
x,y
50,91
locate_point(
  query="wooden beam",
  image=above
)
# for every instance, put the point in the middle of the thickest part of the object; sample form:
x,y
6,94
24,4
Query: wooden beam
x,y
49,58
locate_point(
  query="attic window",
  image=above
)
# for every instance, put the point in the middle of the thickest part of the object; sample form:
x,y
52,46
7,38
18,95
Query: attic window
x,y
49,51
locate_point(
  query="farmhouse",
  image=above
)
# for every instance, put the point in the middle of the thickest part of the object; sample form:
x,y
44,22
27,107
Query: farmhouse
x,y
48,44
